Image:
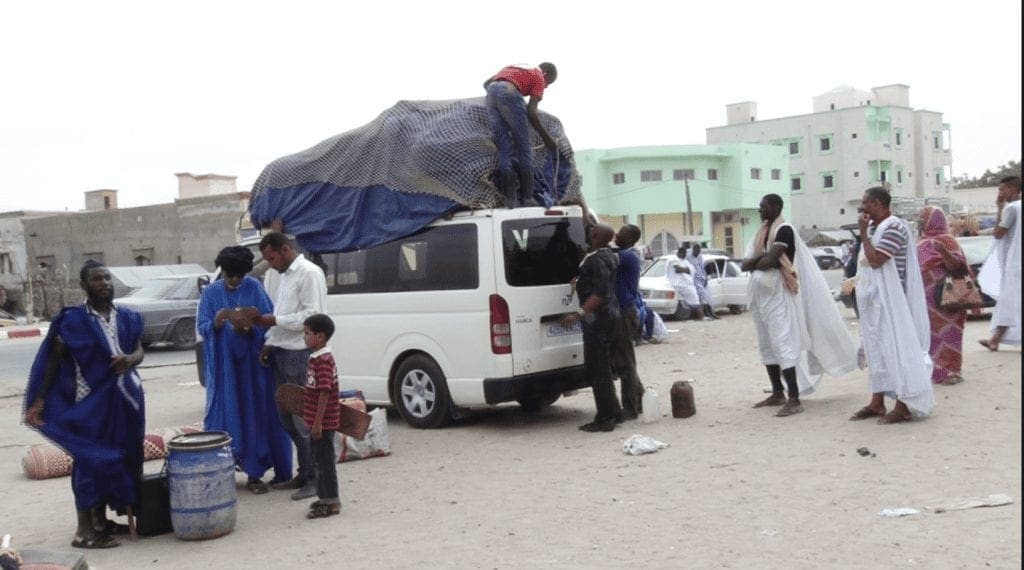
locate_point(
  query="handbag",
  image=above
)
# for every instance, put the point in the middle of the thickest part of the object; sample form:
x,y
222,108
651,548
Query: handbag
x,y
154,516
957,293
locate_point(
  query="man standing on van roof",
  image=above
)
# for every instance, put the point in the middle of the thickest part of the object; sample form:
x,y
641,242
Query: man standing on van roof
x,y
510,120
300,293
627,290
599,313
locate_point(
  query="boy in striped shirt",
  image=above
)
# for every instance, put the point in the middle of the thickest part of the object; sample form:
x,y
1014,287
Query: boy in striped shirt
x,y
322,411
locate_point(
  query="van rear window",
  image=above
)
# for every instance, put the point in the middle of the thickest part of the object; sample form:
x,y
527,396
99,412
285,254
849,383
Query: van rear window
x,y
542,251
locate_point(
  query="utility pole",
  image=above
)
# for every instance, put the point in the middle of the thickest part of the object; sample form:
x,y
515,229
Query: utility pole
x,y
689,210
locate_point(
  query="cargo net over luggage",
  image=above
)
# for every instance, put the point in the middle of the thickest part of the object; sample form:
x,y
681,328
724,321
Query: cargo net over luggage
x,y
416,162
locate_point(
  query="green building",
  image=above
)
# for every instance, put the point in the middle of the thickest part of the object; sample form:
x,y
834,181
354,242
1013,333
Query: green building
x,y
647,186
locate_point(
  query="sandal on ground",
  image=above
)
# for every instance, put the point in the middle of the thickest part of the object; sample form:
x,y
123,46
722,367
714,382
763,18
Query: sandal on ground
x,y
988,345
789,409
953,380
95,541
112,528
323,511
865,413
257,487
894,417
773,400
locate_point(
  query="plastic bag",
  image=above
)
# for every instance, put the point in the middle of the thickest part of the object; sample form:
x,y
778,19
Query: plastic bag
x,y
659,332
640,444
375,444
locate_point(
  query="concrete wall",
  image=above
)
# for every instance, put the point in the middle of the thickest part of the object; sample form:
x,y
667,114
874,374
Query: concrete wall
x,y
196,186
186,231
974,200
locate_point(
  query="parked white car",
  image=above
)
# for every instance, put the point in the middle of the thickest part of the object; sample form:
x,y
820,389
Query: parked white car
x,y
727,284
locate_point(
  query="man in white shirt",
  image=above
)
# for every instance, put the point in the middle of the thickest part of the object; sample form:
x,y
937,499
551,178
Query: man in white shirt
x,y
300,293
1006,327
680,276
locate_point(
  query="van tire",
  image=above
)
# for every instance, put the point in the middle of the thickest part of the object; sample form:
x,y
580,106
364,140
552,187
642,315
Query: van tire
x,y
420,393
538,403
735,309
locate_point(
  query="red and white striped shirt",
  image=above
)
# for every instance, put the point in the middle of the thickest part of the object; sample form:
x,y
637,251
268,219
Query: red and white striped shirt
x,y
321,377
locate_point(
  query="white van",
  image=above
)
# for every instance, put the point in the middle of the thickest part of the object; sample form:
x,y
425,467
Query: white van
x,y
463,313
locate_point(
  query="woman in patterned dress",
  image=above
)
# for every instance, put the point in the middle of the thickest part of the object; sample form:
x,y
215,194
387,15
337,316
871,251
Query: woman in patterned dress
x,y
940,255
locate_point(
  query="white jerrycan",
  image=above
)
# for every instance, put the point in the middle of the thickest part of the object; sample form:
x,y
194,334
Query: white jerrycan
x,y
651,406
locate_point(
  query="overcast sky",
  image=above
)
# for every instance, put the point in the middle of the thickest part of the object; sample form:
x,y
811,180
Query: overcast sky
x,y
124,94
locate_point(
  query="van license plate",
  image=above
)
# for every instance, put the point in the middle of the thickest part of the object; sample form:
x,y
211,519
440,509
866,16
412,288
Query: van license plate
x,y
558,329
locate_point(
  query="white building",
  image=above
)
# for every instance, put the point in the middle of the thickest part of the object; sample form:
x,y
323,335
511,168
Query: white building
x,y
851,141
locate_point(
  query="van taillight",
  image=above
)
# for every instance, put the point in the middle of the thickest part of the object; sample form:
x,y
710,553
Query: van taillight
x,y
501,326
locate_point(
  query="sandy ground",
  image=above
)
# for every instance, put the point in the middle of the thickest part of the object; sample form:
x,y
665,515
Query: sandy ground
x,y
737,488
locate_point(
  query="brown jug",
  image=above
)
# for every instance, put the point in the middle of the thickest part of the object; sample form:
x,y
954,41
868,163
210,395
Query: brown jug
x,y
682,400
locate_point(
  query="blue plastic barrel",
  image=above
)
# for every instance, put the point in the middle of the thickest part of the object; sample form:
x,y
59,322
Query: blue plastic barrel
x,y
201,477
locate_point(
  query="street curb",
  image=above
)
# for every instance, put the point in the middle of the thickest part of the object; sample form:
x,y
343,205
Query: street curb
x,y
22,333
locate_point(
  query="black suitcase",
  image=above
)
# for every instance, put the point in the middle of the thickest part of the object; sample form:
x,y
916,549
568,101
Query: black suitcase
x,y
154,516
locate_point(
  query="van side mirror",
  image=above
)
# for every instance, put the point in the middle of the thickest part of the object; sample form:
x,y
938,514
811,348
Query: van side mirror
x,y
201,282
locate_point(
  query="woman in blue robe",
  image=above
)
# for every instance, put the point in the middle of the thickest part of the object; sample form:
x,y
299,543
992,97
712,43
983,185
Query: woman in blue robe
x,y
239,391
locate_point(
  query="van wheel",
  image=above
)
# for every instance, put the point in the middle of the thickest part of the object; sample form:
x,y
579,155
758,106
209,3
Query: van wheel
x,y
539,403
183,335
421,393
735,309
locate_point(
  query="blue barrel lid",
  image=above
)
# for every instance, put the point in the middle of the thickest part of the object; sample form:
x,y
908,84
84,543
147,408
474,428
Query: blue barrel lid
x,y
199,440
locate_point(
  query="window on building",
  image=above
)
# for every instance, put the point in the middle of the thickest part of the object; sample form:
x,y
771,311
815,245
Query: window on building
x,y
143,256
899,138
618,178
899,176
825,144
794,147
712,174
882,176
46,266
795,183
6,265
682,174
827,181
832,106
853,136
106,202
650,176
776,174
938,141
755,173
938,177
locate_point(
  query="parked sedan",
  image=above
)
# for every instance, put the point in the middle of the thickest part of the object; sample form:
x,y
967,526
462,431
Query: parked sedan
x,y
168,306
727,285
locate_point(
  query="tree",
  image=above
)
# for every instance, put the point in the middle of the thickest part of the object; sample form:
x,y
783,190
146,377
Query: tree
x,y
989,178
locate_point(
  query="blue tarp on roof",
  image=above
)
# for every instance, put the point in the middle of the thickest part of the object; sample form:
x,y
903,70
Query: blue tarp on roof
x,y
416,162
